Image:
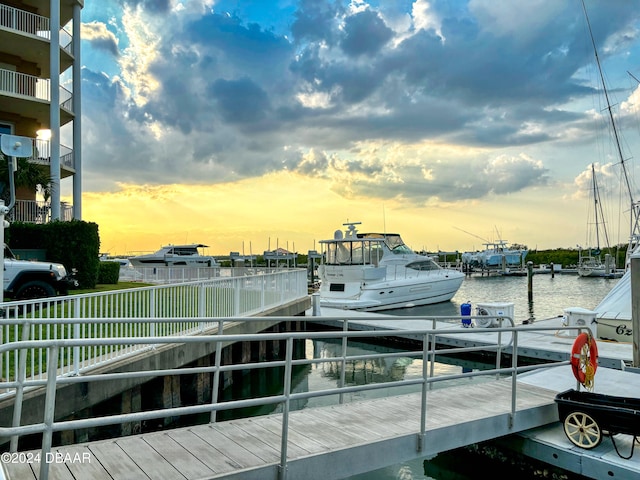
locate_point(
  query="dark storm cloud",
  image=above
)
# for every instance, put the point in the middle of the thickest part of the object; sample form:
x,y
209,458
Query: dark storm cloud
x,y
240,101
365,34
315,21
252,100
152,6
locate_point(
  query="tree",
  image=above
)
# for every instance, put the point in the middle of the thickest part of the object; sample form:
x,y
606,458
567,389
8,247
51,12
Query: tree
x,y
29,175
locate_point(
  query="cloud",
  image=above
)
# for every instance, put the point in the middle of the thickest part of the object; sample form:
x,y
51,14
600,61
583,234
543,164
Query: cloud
x,y
100,37
353,93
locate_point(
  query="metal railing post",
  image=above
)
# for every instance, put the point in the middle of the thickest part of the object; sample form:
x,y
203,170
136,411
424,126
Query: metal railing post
x,y
236,297
49,411
423,401
202,309
216,373
288,372
76,336
343,361
514,377
21,376
432,355
152,312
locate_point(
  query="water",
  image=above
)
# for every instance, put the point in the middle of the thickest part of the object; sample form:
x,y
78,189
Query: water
x,y
550,296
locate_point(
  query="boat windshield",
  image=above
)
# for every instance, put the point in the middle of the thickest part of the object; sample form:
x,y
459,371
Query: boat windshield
x,y
393,241
352,253
396,245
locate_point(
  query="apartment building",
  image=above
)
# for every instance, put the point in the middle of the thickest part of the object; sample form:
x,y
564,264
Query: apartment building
x,y
40,99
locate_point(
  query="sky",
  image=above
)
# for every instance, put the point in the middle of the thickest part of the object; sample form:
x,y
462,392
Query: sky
x,y
248,125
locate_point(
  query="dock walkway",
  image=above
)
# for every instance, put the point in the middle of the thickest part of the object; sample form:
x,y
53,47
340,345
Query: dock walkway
x,y
538,344
323,443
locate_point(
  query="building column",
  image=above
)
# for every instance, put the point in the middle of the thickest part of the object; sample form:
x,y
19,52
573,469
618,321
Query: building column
x,y
54,108
77,119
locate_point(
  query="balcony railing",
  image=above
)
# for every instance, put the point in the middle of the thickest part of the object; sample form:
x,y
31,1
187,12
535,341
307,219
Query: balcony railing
x,y
35,211
42,153
23,85
32,24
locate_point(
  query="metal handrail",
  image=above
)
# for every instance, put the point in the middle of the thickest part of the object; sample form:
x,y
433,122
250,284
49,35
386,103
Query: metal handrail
x,y
150,311
427,353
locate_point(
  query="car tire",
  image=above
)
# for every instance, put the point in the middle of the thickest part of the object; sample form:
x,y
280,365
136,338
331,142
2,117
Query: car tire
x,y
35,289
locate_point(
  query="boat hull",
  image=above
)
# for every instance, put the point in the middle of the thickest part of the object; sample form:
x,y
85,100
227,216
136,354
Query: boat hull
x,y
169,262
615,330
393,295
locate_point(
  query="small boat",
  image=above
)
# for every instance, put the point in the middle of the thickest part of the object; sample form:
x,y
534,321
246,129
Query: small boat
x,y
378,271
496,255
175,256
591,263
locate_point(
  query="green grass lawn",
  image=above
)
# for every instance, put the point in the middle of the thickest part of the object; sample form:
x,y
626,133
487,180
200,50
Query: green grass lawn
x,y
106,287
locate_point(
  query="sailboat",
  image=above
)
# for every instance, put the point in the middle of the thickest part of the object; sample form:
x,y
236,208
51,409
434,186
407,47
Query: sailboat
x,y
591,264
613,313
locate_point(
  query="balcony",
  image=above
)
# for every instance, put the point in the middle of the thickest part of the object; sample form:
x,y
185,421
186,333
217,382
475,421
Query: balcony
x,y
30,97
36,211
42,156
30,34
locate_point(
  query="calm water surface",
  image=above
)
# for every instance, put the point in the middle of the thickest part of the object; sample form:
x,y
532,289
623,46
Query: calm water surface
x,y
550,296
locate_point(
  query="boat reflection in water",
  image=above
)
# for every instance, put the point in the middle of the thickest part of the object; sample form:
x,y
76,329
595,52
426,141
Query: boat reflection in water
x,y
377,271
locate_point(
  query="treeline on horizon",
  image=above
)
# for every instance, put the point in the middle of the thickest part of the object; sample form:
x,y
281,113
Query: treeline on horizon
x,y
567,257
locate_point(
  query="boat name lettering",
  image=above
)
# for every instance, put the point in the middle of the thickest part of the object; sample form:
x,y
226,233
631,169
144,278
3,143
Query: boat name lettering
x,y
623,330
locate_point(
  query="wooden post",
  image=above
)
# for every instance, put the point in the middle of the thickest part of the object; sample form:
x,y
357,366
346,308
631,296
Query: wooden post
x,y
635,308
530,280
553,272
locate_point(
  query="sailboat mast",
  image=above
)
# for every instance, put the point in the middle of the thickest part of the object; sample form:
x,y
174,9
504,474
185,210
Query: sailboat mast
x,y
635,213
595,203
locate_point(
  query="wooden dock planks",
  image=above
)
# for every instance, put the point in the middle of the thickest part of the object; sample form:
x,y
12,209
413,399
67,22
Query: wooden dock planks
x,y
252,445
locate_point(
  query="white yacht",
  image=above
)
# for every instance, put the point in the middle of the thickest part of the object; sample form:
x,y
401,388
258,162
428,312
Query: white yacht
x,y
377,271
175,256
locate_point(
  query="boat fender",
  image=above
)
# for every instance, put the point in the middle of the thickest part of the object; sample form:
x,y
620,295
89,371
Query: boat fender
x,y
584,359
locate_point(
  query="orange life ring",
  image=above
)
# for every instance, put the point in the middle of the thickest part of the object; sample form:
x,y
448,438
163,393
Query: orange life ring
x,y
584,358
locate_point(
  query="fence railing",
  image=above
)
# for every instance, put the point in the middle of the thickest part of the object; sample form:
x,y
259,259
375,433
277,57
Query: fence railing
x,y
25,85
284,397
32,24
38,211
138,312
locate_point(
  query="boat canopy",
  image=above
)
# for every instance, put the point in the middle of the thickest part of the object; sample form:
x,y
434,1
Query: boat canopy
x,y
616,305
352,252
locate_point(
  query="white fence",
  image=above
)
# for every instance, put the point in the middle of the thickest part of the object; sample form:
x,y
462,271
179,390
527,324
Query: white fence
x,y
139,312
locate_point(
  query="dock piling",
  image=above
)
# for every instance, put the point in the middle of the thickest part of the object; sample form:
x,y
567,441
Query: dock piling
x,y
530,280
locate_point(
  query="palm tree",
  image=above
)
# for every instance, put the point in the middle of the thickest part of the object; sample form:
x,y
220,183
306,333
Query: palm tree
x,y
29,177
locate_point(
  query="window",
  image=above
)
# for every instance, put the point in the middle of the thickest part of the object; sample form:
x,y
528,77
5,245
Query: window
x,y
6,128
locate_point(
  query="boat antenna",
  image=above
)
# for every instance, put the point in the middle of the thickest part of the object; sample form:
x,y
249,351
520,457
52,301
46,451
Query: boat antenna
x,y
384,220
635,212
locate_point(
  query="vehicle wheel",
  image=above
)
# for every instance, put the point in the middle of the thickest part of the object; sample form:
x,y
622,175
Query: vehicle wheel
x,y
35,289
582,430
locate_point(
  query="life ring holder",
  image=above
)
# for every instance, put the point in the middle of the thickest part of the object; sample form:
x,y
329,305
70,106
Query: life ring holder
x,y
584,359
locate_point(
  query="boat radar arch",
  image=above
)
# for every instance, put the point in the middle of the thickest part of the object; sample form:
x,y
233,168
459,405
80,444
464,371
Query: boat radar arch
x,y
351,229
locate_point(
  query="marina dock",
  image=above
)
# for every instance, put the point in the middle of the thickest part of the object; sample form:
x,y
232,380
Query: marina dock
x,y
324,443
341,440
